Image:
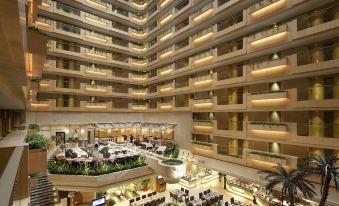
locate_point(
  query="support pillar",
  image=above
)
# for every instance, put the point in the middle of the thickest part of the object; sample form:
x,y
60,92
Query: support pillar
x,y
317,124
234,71
317,54
233,96
60,100
317,89
233,122
71,101
233,145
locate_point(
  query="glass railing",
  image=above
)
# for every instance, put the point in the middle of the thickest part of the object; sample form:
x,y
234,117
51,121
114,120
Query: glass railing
x,y
68,103
182,103
261,5
231,99
230,46
120,11
120,42
327,130
181,64
227,151
96,18
268,92
96,52
119,26
231,125
228,74
68,9
182,25
164,69
208,144
139,17
222,2
96,35
120,58
168,49
121,74
120,105
102,3
44,20
68,28
317,93
182,5
166,86
202,33
203,55
318,54
319,17
202,78
96,69
96,86
181,84
123,90
230,22
267,32
67,65
67,46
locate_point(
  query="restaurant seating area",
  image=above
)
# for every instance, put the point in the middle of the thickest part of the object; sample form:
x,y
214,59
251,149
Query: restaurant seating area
x,y
150,199
205,198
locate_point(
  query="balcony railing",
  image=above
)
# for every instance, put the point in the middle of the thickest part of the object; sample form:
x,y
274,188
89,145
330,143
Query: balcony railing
x,y
96,53
319,17
326,130
318,54
96,70
227,151
68,28
316,93
68,9
68,85
67,65
230,46
96,19
96,36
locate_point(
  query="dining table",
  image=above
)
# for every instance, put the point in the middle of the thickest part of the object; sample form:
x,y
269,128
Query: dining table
x,y
142,202
180,195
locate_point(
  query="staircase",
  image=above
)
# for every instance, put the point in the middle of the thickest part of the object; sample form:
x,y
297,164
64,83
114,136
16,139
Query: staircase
x,y
44,194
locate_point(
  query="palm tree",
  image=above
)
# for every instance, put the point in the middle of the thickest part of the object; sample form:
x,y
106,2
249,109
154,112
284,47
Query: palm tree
x,y
328,170
291,181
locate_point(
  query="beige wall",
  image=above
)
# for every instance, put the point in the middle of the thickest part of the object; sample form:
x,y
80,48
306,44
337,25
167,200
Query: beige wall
x,y
181,119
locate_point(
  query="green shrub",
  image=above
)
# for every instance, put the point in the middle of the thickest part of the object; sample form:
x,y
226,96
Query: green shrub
x,y
37,141
175,153
34,126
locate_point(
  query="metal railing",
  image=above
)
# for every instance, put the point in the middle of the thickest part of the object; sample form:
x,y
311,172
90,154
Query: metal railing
x,y
68,9
318,54
230,46
327,130
226,23
316,93
232,152
68,28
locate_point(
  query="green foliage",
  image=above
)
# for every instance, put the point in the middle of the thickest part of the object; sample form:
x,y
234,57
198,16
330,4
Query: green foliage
x,y
175,153
87,170
100,194
110,202
202,143
37,141
34,126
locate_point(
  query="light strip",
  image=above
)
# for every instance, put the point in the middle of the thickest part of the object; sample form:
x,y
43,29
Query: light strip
x,y
96,55
166,54
166,36
208,81
203,15
139,64
203,38
139,107
45,4
202,127
164,3
166,72
39,105
166,107
270,102
139,78
167,18
97,4
203,105
96,106
95,38
96,89
96,73
45,85
268,9
268,70
270,39
97,21
139,93
203,60
269,133
166,89
42,23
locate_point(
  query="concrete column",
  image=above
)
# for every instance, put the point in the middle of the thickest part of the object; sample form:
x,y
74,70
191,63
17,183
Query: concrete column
x,y
87,197
317,89
317,54
60,100
336,124
71,65
317,19
316,151
233,96
233,121
72,82
60,81
317,124
233,147
234,71
335,52
336,87
60,64
71,101
336,13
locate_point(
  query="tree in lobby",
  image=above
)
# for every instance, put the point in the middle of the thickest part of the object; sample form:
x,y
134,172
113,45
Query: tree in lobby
x,y
291,182
328,170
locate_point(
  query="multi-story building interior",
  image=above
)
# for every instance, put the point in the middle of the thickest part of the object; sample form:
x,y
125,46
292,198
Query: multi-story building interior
x,y
233,86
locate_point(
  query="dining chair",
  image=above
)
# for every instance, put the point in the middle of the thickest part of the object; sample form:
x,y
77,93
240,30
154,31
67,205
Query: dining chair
x,y
137,198
182,189
191,198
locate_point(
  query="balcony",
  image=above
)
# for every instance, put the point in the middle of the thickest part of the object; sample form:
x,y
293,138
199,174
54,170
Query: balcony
x,y
202,58
268,37
138,77
166,18
203,81
137,33
267,160
95,71
166,70
138,63
139,19
97,21
66,10
95,106
233,129
202,104
318,58
95,88
164,3
231,24
166,35
235,102
138,47
229,75
271,130
231,49
139,5
203,14
165,106
325,134
96,54
203,36
268,99
202,148
318,22
269,68
96,37
139,107
202,126
98,4
166,53
40,105
265,8
166,88
138,92
317,97
182,105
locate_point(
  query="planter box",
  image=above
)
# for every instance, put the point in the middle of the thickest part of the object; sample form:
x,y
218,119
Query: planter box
x,y
37,160
266,158
268,127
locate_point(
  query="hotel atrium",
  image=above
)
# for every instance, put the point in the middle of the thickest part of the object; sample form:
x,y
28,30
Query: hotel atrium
x,y
169,102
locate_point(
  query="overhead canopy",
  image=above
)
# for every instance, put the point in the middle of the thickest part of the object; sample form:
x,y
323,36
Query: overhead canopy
x,y
135,125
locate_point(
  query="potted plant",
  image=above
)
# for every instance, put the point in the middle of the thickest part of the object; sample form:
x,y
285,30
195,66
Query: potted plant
x,y
145,183
37,144
33,128
110,202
